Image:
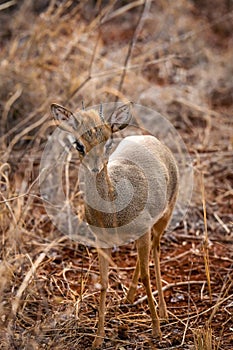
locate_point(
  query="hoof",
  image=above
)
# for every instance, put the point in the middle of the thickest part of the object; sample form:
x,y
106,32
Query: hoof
x,y
156,333
130,297
128,301
97,342
163,315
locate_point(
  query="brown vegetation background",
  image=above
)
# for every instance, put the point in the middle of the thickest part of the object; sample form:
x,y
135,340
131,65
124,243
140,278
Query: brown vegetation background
x,y
173,56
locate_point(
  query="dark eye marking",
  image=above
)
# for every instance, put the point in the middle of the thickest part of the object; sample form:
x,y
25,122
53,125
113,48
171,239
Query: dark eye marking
x,y
79,147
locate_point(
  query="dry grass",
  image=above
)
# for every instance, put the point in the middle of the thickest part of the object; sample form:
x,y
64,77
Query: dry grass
x,y
203,339
173,56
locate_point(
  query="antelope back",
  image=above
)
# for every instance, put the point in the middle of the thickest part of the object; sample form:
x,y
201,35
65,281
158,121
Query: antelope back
x,y
144,180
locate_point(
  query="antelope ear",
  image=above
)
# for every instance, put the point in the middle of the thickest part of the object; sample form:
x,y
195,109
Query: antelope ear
x,y
121,117
64,117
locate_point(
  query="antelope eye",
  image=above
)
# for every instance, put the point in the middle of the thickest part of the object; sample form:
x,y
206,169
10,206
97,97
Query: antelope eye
x,y
79,147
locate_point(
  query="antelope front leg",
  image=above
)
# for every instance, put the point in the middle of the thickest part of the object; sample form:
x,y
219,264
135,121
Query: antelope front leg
x,y
157,232
134,284
143,247
162,304
104,255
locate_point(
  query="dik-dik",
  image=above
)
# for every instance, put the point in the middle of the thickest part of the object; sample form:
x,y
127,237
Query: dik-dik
x,y
107,169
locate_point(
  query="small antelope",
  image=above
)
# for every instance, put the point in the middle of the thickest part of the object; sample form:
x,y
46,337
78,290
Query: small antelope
x,y
133,155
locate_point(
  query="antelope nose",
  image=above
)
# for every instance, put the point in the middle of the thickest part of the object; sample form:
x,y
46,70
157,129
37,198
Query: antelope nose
x,y
95,170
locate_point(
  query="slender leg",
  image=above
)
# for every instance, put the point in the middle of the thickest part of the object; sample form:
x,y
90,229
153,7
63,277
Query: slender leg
x,y
134,283
143,247
157,232
103,267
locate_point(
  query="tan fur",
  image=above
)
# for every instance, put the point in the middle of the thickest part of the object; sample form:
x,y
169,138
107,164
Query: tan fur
x,y
158,176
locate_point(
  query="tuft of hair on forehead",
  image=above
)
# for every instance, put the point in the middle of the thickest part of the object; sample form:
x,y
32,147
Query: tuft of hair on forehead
x,y
92,118
92,129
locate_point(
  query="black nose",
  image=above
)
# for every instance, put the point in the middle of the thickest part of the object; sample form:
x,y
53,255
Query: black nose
x,y
95,170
